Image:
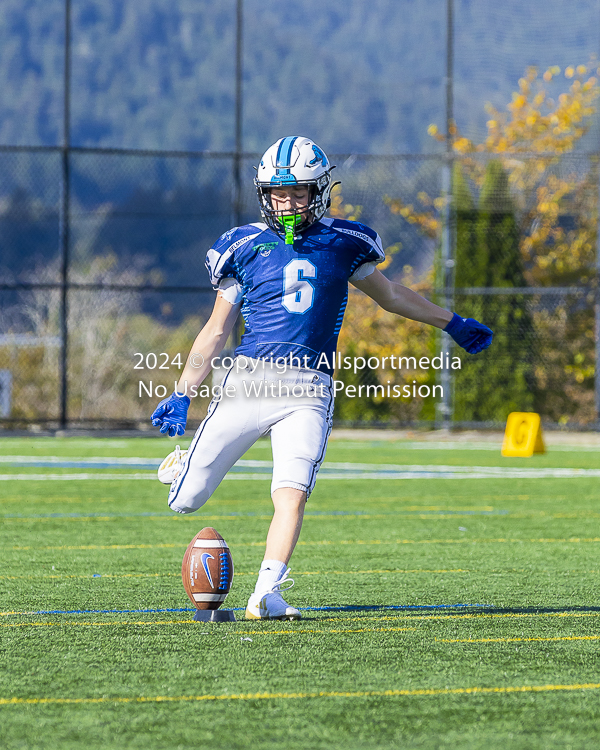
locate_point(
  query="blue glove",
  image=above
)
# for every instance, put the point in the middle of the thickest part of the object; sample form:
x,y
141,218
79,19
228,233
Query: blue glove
x,y
171,415
469,333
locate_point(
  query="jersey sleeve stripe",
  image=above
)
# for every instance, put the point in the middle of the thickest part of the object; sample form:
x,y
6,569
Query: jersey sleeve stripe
x,y
229,252
358,262
340,317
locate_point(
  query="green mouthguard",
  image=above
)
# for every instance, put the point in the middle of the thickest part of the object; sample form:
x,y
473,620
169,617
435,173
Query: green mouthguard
x,y
289,224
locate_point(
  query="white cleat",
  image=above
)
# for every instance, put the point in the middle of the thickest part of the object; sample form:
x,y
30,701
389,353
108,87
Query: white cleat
x,y
270,605
169,470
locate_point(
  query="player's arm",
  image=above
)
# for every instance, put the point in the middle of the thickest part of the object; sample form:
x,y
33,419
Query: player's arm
x,y
395,298
401,300
209,343
171,414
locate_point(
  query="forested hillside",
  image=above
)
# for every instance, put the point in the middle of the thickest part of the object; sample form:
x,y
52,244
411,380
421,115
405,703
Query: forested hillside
x,y
356,76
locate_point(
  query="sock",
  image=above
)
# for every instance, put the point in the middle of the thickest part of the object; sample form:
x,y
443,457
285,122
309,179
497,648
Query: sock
x,y
270,572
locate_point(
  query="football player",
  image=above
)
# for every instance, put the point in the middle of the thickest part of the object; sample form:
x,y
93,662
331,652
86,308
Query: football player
x,y
288,276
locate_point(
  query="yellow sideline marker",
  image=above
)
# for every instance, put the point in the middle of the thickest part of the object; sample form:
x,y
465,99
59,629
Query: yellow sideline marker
x,y
323,694
523,435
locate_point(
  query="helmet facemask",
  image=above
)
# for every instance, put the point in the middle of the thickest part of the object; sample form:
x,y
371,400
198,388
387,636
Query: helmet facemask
x,y
288,223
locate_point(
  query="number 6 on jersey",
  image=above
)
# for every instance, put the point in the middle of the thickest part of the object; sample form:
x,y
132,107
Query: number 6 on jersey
x,y
298,293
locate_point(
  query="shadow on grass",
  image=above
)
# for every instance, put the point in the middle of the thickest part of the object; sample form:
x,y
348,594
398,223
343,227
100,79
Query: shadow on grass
x,y
466,608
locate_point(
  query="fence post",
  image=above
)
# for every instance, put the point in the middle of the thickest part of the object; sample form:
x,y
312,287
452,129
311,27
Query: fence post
x,y
236,216
444,409
236,213
597,302
63,226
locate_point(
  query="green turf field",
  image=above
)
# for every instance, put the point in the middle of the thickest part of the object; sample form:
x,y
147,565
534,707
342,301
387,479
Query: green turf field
x,y
456,611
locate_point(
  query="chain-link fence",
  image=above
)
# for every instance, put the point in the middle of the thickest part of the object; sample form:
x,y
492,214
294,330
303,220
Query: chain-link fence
x,y
137,292
492,210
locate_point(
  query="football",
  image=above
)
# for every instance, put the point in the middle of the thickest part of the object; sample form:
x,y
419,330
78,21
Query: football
x,y
207,569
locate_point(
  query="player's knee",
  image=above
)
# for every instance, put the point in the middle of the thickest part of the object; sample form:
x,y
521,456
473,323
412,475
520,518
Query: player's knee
x,y
289,492
298,474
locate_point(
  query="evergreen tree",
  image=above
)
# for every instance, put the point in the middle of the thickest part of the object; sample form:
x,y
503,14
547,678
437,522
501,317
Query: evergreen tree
x,y
500,379
470,265
467,272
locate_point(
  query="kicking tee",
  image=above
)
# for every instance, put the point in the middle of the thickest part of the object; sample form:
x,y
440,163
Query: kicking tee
x,y
293,296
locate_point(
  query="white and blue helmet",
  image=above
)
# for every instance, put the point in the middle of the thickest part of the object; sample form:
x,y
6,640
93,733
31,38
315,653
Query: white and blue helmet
x,y
294,160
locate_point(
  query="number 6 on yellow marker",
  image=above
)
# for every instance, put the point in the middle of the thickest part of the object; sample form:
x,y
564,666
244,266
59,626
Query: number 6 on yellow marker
x,y
523,435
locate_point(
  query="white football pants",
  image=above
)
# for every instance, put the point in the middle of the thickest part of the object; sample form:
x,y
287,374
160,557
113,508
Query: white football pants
x,y
296,407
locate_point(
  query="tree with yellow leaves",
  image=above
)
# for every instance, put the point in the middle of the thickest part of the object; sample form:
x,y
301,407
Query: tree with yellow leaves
x,y
369,331
529,140
555,204
555,198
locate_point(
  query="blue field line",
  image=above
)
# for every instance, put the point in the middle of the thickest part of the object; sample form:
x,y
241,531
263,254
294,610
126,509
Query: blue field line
x,y
347,608
250,515
100,611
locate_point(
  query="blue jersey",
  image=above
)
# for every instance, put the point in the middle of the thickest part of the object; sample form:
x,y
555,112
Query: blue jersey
x,y
293,296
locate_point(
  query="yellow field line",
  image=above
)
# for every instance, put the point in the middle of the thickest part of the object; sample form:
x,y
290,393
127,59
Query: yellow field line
x,y
356,618
376,618
103,575
250,573
75,622
325,542
543,514
323,694
174,517
301,573
293,631
423,516
469,616
110,546
267,516
516,640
